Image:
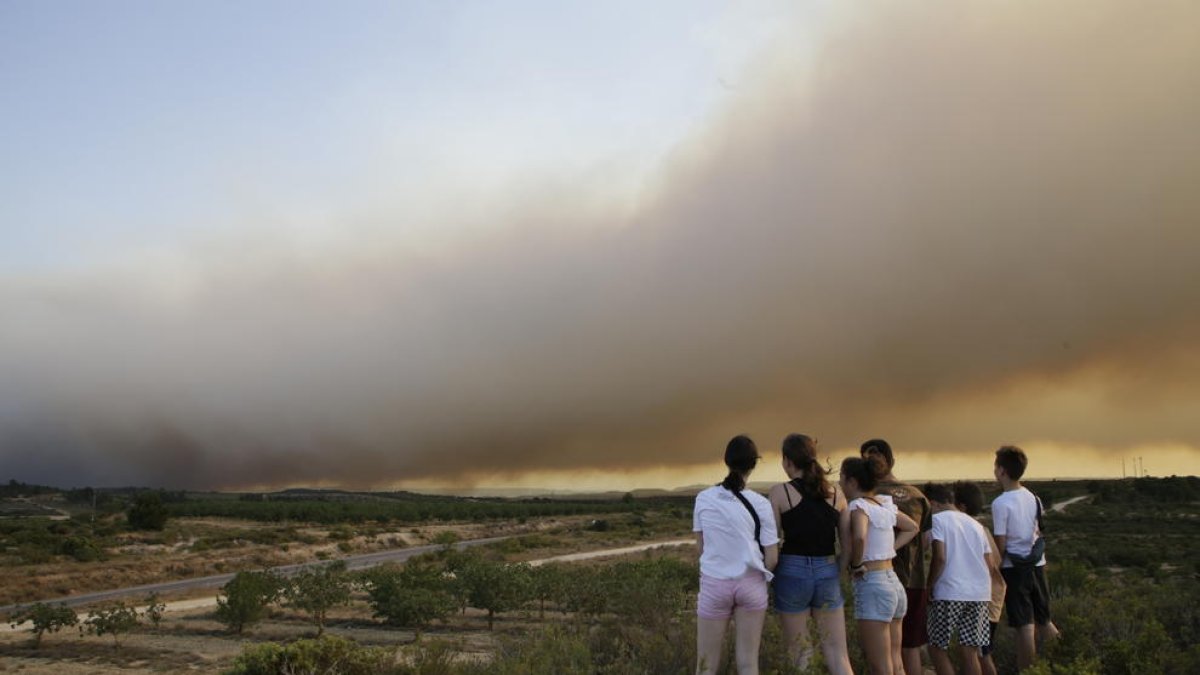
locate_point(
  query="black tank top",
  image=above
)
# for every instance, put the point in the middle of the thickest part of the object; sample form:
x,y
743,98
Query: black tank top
x,y
810,527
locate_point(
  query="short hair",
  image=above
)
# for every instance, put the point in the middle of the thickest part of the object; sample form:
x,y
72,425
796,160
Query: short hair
x,y
968,496
882,447
939,492
864,471
1013,460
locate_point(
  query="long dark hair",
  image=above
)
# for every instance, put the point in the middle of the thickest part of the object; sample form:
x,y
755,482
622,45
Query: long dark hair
x,y
801,451
741,456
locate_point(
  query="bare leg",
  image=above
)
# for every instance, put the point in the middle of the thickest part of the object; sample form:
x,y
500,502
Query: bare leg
x,y
941,661
1026,652
912,660
710,643
876,639
831,623
970,660
896,632
795,637
748,625
987,665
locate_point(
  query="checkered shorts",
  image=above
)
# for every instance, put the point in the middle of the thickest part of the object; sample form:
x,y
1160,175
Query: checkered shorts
x,y
968,619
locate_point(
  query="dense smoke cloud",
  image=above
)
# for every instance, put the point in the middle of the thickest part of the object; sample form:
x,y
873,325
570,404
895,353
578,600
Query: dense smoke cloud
x,y
956,223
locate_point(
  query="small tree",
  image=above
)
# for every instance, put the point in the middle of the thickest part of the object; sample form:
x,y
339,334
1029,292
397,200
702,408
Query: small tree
x,y
44,619
155,608
246,598
116,621
147,512
411,596
316,591
495,587
546,582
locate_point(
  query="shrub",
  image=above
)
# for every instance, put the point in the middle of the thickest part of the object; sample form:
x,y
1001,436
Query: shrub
x,y
44,618
147,512
247,596
115,621
155,608
80,548
325,654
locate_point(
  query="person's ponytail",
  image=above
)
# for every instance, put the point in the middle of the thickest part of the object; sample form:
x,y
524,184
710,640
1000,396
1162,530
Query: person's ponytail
x,y
741,456
801,451
734,482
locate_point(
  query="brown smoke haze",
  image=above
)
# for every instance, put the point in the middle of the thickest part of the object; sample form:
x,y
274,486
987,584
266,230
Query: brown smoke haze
x,y
952,224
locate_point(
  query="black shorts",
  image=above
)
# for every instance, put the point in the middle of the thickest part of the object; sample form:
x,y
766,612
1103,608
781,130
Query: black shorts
x,y
915,628
1027,598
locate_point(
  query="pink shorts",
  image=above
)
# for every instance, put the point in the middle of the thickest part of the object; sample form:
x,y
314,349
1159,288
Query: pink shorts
x,y
719,597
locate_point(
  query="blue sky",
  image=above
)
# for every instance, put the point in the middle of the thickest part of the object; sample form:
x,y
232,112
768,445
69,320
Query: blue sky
x,y
129,126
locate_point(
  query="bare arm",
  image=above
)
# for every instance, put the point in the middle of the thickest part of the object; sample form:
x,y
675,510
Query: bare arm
x,y
1001,541
937,563
699,545
908,530
775,496
771,556
858,541
844,539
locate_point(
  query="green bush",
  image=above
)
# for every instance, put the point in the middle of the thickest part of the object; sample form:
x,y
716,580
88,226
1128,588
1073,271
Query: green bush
x,y
246,598
80,548
326,654
147,512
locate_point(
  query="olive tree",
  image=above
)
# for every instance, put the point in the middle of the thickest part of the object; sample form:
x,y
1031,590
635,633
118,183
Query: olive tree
x,y
246,598
44,618
316,591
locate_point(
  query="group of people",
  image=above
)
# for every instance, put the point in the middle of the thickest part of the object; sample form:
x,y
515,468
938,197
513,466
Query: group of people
x,y
807,532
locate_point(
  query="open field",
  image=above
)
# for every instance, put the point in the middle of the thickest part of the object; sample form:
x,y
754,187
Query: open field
x,y
1123,571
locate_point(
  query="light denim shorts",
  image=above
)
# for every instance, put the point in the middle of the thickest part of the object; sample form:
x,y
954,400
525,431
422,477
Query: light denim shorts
x,y
807,582
879,596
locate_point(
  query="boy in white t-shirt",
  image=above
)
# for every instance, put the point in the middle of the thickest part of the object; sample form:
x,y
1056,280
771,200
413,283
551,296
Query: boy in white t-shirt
x,y
960,578
1016,522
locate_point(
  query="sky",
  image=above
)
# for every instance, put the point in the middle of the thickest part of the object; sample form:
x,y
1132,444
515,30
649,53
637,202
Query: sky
x,y
580,245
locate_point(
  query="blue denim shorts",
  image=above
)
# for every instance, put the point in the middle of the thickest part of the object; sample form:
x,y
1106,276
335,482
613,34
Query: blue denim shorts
x,y
879,596
807,582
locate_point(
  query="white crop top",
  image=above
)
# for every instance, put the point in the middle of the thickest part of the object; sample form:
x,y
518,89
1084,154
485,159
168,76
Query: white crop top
x,y
881,523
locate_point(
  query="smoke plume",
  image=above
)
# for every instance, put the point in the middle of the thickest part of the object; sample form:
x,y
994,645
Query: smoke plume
x,y
952,223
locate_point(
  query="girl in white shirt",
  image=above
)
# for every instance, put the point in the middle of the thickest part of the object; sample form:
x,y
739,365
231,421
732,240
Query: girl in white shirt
x,y
738,542
880,602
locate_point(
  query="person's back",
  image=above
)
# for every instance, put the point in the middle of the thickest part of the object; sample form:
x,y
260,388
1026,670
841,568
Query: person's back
x,y
960,578
965,576
1015,516
910,559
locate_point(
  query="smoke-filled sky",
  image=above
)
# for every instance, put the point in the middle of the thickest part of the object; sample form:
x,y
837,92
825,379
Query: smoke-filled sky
x,y
531,243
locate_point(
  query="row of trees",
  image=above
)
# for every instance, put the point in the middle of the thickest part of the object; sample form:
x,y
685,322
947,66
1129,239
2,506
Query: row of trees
x,y
384,510
431,588
115,620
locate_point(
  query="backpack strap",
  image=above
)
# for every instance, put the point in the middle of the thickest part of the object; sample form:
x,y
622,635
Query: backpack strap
x,y
754,516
